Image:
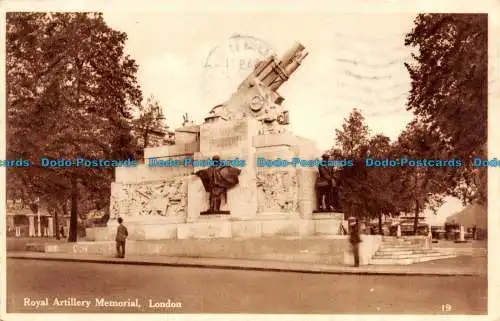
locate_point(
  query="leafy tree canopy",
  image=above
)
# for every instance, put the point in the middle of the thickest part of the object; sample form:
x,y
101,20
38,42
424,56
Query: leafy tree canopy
x,y
70,92
449,89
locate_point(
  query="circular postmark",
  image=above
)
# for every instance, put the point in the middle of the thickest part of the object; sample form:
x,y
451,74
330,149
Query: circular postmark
x,y
232,61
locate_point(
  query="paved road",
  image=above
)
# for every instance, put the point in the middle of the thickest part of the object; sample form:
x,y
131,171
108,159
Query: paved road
x,y
234,291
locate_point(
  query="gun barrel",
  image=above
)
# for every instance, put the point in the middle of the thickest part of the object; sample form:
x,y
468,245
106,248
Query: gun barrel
x,y
290,69
295,54
274,73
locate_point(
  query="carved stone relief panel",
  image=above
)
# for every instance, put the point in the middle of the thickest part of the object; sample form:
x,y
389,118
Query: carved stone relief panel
x,y
277,191
163,198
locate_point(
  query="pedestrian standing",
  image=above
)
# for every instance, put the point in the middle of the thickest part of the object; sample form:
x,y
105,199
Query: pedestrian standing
x,y
121,236
355,239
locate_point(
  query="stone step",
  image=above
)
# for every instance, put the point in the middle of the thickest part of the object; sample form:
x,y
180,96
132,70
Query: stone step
x,y
406,261
401,248
401,244
404,241
407,255
415,252
410,241
408,238
403,252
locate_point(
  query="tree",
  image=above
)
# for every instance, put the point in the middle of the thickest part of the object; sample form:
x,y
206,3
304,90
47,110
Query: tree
x,y
353,135
381,180
367,192
423,185
150,119
374,191
70,91
449,89
352,142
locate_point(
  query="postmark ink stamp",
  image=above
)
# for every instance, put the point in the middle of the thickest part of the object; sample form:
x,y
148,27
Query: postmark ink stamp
x,y
233,60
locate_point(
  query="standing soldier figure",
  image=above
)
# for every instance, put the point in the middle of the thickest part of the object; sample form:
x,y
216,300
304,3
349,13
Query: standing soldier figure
x,y
324,187
334,192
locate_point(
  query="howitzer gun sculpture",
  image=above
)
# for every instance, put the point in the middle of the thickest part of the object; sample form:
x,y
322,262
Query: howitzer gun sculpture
x,y
257,95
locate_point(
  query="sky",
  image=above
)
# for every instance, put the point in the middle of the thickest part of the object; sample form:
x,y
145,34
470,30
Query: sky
x,y
354,61
350,65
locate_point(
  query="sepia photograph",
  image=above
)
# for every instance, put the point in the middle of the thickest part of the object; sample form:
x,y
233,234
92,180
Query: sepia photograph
x,y
248,162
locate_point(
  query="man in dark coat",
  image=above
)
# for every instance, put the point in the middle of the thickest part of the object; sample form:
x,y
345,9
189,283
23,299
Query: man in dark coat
x,y
355,239
217,180
121,236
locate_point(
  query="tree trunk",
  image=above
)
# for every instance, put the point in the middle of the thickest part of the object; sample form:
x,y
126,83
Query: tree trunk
x,y
380,224
146,137
415,222
417,209
65,213
56,223
73,225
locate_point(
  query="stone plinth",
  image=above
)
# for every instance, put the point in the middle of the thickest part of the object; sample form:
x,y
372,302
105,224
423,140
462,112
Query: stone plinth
x,y
246,229
144,173
232,137
306,178
166,202
312,250
328,216
184,149
221,226
327,223
151,229
205,230
187,134
230,140
287,189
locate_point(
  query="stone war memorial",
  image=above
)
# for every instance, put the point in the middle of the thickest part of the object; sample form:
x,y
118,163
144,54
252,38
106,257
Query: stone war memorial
x,y
249,201
216,188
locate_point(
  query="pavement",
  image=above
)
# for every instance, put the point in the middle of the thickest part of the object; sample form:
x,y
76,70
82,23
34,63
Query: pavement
x,y
217,290
459,266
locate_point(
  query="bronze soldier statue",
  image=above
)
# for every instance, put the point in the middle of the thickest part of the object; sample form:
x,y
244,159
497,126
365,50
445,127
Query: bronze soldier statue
x,y
334,192
217,180
324,186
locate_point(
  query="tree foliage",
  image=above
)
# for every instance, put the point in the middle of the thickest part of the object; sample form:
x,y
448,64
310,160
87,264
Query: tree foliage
x,y
149,120
70,91
354,134
449,89
422,187
352,142
384,199
373,191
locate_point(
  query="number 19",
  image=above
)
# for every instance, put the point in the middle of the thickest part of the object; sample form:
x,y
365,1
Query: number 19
x,y
446,307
